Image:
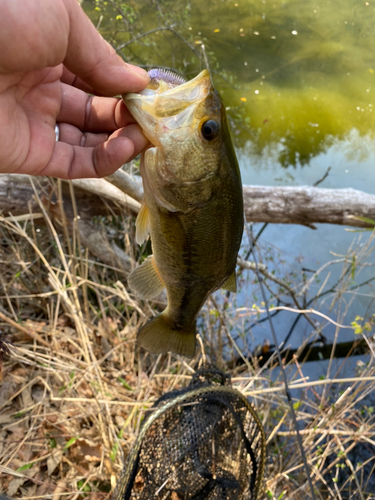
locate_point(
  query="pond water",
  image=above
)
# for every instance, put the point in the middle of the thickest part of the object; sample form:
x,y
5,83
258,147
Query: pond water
x,y
298,80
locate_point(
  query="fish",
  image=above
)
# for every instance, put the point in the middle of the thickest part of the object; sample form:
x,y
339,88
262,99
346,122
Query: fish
x,y
193,205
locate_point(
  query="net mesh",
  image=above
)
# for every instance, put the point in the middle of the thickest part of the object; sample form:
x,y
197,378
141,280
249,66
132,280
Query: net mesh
x,y
201,442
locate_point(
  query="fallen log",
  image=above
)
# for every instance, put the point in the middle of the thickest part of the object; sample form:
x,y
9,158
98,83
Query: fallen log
x,y
308,205
277,205
92,197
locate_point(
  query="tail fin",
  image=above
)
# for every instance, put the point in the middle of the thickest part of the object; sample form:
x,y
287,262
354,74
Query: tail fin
x,y
159,336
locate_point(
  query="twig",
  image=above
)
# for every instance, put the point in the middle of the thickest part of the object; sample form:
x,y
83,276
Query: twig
x,y
313,277
306,311
313,383
246,264
263,270
165,28
103,401
26,331
139,37
350,465
319,181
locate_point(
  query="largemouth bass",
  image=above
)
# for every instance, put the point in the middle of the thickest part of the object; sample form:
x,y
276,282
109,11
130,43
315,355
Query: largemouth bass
x,y
193,206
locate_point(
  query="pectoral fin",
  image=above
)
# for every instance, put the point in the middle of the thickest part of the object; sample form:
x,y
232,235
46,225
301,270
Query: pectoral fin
x,y
231,283
142,224
145,280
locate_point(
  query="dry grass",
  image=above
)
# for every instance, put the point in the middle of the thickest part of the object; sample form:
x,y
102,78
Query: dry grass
x,y
75,389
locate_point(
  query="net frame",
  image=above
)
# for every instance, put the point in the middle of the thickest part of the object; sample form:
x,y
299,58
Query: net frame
x,y
219,402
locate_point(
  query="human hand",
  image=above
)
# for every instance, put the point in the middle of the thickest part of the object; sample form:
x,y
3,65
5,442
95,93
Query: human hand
x,y
50,56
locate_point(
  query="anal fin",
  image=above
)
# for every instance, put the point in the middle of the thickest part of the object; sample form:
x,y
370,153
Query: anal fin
x,y
231,283
145,280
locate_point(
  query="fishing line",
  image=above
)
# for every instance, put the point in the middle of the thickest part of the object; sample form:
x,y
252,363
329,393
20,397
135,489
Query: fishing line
x,y
265,300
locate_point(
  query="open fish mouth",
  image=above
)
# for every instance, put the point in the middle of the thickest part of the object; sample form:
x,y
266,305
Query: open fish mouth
x,y
168,104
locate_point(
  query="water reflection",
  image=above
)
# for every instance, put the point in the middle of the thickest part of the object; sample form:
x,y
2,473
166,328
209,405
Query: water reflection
x,y
294,75
350,160
305,70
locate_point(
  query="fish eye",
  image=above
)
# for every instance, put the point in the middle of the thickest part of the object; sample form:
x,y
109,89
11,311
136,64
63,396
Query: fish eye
x,y
210,130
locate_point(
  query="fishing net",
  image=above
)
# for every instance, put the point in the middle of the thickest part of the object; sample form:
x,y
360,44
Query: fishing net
x,y
201,442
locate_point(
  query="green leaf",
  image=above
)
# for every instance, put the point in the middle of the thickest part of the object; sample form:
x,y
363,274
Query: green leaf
x,y
19,414
114,451
125,384
25,467
363,219
70,442
297,405
80,484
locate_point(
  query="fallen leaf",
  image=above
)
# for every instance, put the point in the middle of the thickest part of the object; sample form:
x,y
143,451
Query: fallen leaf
x,y
54,460
27,400
87,450
6,418
16,483
7,389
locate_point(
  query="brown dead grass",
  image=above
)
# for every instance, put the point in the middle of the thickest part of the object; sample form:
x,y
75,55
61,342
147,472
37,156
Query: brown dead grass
x,y
75,388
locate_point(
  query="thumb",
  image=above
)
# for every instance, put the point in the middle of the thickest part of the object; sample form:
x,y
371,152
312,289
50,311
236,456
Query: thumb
x,y
94,61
